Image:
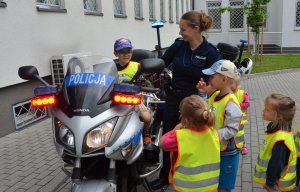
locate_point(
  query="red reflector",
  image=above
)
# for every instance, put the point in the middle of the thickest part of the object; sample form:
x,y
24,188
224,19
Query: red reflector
x,y
43,101
127,99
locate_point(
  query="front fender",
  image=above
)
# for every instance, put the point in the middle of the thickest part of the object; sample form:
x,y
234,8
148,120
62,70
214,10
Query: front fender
x,y
94,185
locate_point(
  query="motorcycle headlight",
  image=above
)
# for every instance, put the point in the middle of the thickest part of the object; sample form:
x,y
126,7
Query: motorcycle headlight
x,y
98,137
66,136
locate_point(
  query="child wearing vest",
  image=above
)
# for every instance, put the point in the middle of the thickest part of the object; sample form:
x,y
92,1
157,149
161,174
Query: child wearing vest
x,y
276,162
228,117
194,147
297,143
244,102
127,70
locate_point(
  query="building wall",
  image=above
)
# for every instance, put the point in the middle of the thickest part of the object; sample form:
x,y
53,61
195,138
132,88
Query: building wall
x,y
290,35
280,28
10,96
275,13
30,37
225,35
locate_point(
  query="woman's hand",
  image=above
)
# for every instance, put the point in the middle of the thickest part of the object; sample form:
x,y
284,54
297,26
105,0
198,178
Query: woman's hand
x,y
201,86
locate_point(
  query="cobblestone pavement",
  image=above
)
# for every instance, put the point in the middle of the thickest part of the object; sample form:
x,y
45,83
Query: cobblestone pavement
x,y
28,159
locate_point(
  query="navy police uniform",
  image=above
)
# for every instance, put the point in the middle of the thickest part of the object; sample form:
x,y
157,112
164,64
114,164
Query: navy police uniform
x,y
187,68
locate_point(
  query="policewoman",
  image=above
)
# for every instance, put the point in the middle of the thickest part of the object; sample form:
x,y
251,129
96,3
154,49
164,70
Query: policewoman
x,y
189,55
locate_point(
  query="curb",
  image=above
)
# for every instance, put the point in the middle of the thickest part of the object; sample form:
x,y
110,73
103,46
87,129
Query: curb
x,y
274,72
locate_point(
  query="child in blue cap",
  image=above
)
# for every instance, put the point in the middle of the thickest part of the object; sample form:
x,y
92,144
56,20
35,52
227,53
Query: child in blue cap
x,y
127,70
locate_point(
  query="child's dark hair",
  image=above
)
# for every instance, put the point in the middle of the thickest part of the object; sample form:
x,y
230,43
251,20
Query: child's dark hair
x,y
285,109
194,113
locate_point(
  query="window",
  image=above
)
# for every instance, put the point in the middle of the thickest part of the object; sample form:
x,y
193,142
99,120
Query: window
x,y
119,8
138,9
187,7
2,4
162,10
297,23
152,10
191,4
171,11
182,7
177,11
237,15
212,10
51,5
92,7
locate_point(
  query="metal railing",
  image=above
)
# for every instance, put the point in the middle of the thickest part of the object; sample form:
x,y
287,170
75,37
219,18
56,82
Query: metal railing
x,y
25,114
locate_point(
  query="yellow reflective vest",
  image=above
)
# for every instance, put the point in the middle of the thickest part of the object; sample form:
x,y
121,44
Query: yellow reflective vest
x,y
297,142
287,181
129,72
219,108
197,166
240,94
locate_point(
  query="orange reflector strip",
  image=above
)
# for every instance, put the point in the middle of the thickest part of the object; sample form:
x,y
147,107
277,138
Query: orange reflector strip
x,y
43,101
127,99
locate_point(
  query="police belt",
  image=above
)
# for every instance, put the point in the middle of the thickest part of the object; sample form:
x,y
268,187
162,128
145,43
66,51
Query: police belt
x,y
182,93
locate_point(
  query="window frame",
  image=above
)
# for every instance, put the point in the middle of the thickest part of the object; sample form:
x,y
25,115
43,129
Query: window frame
x,y
123,9
187,7
141,16
208,8
177,16
171,11
240,7
162,10
191,4
297,28
44,7
98,12
182,7
153,18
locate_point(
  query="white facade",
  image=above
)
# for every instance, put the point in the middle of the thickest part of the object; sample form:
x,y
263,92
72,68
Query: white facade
x,y
280,27
32,37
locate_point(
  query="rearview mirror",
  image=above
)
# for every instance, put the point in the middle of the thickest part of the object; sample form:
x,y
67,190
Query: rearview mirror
x,y
28,72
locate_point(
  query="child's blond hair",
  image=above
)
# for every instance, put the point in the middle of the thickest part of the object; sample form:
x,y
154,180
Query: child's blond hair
x,y
237,79
284,107
194,113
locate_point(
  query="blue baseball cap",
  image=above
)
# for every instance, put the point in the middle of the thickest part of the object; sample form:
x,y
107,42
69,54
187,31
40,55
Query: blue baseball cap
x,y
122,43
224,67
213,69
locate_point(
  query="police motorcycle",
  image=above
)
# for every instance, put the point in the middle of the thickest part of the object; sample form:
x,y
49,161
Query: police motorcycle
x,y
96,127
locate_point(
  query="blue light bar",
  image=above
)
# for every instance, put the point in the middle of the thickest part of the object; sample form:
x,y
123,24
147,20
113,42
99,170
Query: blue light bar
x,y
126,88
45,90
157,24
243,40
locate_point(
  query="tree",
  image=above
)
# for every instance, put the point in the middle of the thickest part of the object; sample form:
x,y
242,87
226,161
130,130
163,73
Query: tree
x,y
256,15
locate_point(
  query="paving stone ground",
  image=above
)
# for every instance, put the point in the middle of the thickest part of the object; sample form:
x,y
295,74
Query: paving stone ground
x,y
28,159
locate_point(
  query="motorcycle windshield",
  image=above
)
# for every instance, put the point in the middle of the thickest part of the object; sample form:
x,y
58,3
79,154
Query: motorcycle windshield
x,y
87,85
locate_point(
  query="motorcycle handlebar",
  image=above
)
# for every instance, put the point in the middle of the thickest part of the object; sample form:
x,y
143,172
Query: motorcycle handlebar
x,y
149,89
